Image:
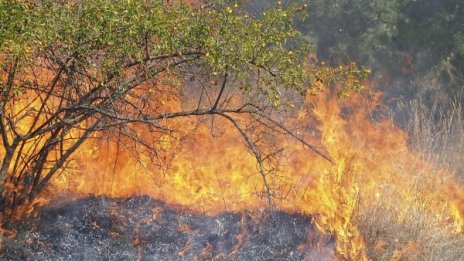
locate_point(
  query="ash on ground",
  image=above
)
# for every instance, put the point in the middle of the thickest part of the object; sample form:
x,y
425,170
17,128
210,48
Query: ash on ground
x,y
140,228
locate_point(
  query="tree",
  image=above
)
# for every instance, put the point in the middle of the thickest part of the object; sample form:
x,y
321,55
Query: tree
x,y
75,70
410,41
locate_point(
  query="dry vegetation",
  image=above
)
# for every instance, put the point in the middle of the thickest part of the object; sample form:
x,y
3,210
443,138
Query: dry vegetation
x,y
436,129
414,234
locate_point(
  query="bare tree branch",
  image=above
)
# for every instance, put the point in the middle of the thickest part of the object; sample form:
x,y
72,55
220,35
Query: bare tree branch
x,y
256,153
220,91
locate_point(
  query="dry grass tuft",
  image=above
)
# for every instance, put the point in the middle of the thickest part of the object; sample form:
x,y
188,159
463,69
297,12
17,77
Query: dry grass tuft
x,y
393,233
411,234
436,129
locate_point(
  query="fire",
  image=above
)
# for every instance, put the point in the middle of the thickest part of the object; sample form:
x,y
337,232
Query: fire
x,y
206,174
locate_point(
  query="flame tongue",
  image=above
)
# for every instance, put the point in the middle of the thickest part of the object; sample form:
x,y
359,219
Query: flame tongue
x,y
372,166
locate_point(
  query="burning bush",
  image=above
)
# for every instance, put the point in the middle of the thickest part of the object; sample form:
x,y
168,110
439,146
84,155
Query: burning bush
x,y
76,71
123,98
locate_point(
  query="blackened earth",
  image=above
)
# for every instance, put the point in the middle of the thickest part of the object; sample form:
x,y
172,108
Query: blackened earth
x,y
140,228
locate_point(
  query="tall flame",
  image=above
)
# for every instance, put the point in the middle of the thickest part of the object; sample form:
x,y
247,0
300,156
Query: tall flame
x,y
371,162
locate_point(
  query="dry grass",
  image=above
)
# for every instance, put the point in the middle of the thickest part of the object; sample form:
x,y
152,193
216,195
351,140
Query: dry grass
x,y
436,129
394,233
411,234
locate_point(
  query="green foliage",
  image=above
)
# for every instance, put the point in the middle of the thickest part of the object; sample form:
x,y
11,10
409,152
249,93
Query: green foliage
x,y
14,20
106,36
377,33
351,29
415,47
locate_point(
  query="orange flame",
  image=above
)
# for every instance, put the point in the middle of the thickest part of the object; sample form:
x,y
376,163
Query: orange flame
x,y
212,174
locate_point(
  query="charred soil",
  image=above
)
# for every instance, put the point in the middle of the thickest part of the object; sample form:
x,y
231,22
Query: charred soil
x,y
141,228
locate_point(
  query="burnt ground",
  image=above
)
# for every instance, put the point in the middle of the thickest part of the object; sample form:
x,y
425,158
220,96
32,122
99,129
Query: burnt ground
x,y
98,228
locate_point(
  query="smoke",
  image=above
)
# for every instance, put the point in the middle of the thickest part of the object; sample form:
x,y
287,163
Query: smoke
x,y
405,42
415,49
